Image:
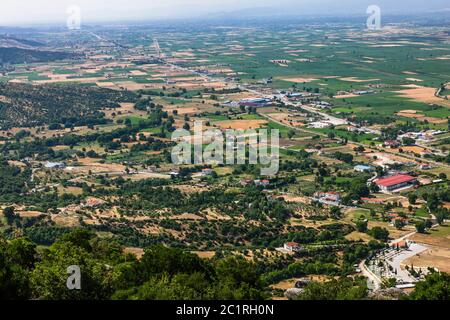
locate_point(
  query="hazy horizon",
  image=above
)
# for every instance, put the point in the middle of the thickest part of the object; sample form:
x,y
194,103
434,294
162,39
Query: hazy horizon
x,y
24,12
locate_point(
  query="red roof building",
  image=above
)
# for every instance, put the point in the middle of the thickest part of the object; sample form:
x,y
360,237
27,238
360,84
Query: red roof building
x,y
395,182
292,247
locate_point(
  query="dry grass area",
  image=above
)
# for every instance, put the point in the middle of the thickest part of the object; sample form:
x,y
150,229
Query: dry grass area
x,y
241,124
415,114
414,79
89,164
298,79
138,252
182,110
290,283
436,257
423,94
345,96
29,214
413,149
295,199
393,232
355,79
204,254
357,236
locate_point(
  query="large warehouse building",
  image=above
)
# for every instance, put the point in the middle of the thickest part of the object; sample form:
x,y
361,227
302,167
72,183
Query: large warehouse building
x,y
395,182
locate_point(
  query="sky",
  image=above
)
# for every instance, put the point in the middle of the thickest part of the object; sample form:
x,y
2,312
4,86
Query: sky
x,y
21,12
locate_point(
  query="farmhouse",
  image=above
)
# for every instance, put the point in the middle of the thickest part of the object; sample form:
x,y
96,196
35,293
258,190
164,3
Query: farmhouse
x,y
262,183
323,104
392,144
207,172
363,168
320,125
55,165
395,182
258,102
425,166
292,247
330,198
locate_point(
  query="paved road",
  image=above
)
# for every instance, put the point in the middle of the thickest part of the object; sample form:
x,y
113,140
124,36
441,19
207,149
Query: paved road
x,y
333,120
374,280
414,249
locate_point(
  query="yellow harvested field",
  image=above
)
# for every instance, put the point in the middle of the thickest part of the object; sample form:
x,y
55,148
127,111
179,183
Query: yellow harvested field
x,y
423,94
241,124
420,116
344,96
138,252
434,257
409,72
204,254
355,79
413,149
138,73
29,214
105,84
298,79
357,236
414,79
295,199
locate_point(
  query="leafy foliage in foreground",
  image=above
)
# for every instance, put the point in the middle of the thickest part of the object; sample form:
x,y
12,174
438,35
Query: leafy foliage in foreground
x,y
108,273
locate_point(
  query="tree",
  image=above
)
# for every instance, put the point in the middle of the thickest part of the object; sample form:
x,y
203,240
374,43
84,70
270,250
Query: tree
x,y
379,233
14,272
436,286
420,227
336,212
440,217
361,225
336,289
9,214
408,141
412,198
291,134
399,224
48,279
358,190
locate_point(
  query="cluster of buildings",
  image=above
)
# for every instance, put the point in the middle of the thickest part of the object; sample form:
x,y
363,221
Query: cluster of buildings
x,y
255,102
329,198
322,105
320,125
356,129
363,168
357,92
55,165
258,183
424,136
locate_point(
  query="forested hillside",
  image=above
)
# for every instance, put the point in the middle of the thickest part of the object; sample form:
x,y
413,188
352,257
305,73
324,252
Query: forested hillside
x,y
27,105
19,55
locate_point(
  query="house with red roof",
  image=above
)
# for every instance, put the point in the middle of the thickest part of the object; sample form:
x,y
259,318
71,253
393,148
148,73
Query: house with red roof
x,y
292,247
395,182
